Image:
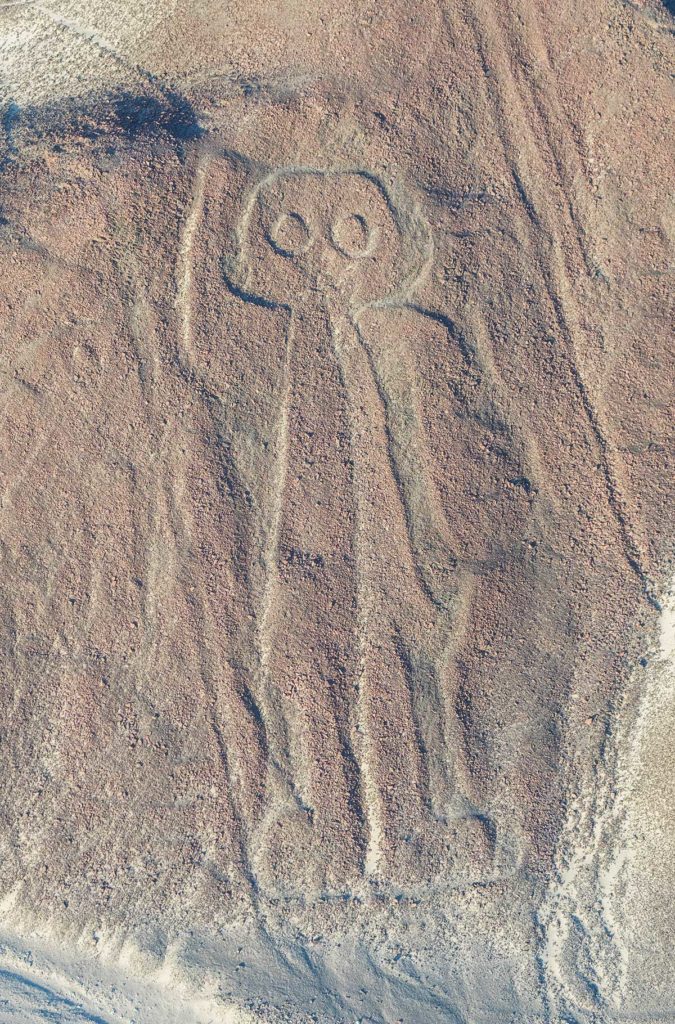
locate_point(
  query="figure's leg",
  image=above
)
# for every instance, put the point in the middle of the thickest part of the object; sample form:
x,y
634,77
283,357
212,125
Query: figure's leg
x,y
422,819
312,618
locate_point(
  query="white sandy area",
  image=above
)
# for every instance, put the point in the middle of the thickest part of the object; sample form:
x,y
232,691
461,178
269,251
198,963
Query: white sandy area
x,y
40,982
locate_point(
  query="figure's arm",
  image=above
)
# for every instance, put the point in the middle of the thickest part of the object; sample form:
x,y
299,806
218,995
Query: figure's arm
x,y
458,465
428,533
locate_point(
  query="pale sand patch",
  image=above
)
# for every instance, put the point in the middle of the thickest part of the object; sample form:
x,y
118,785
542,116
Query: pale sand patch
x,y
42,978
645,907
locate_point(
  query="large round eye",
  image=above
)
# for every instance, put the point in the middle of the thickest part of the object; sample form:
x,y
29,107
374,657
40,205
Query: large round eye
x,y
353,237
290,235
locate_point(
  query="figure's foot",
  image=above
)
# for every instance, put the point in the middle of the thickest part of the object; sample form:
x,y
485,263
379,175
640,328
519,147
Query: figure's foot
x,y
299,857
457,852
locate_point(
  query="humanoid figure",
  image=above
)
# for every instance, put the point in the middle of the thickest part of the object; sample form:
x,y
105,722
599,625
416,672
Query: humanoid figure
x,y
359,591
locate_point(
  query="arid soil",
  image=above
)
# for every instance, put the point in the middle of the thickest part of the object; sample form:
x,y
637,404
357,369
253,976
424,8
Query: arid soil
x,y
336,512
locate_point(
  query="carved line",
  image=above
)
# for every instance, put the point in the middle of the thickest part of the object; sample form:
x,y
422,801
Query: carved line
x,y
183,300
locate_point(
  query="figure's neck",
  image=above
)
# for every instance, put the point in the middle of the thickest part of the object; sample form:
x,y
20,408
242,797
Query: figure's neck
x,y
321,313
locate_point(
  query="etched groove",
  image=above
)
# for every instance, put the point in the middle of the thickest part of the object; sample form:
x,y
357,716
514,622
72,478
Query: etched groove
x,y
271,552
361,743
631,549
411,678
229,488
558,151
240,832
496,85
184,261
408,515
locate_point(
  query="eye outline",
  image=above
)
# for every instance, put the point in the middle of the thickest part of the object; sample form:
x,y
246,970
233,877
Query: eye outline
x,y
372,237
282,250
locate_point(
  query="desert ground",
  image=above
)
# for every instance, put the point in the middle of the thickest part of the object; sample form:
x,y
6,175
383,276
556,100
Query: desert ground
x,y
336,512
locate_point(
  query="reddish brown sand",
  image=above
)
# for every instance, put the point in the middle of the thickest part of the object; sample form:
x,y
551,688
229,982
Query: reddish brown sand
x,y
335,502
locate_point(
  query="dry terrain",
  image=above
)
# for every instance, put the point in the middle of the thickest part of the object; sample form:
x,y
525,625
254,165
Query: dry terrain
x,y
336,406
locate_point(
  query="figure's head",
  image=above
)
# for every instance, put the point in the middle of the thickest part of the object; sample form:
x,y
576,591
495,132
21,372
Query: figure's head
x,y
334,233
